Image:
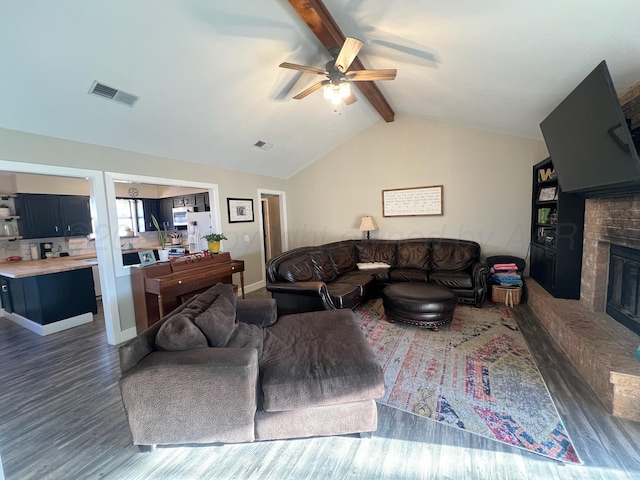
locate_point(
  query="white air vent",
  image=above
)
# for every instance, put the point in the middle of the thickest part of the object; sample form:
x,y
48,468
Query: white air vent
x,y
263,145
104,91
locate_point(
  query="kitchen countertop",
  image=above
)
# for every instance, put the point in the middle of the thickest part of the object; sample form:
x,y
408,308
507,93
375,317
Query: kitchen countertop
x,y
32,268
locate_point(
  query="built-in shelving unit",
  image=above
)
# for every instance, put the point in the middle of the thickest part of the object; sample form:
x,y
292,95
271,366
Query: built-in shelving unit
x,y
8,223
557,224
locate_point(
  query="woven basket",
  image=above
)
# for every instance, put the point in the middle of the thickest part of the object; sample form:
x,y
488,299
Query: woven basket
x,y
508,295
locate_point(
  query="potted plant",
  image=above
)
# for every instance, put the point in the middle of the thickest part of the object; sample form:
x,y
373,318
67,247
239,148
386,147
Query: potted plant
x,y
213,239
163,253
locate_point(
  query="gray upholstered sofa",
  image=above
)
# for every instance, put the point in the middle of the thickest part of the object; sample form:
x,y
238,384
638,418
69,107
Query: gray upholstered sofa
x,y
223,370
328,276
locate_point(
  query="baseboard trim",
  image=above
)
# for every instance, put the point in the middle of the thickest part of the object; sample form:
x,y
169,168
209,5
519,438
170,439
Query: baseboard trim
x,y
50,328
128,334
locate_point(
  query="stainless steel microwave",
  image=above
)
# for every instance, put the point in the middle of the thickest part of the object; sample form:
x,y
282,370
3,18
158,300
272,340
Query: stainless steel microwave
x,y
180,216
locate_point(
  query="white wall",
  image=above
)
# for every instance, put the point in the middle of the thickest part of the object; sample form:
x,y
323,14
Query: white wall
x,y
486,178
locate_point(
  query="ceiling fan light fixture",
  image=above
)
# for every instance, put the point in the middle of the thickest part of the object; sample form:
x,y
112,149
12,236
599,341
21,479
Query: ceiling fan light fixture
x,y
345,89
337,92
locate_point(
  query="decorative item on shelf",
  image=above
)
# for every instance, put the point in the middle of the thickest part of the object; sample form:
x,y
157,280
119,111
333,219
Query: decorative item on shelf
x,y
367,224
147,257
129,232
214,239
5,211
548,194
163,253
546,174
176,238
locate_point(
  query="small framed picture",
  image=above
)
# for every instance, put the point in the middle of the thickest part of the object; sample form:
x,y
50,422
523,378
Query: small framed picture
x,y
240,210
548,194
147,257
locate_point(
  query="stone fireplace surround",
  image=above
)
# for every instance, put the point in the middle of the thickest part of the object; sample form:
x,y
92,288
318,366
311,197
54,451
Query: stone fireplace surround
x,y
601,348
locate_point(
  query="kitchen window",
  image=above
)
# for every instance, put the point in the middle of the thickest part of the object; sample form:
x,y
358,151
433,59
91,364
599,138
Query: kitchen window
x,y
130,216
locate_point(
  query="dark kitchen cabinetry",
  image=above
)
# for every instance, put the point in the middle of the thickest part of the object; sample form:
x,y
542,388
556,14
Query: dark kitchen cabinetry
x,y
162,208
43,216
557,225
52,297
184,201
166,213
75,215
151,206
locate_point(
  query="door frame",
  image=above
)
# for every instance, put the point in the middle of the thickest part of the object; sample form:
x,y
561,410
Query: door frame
x,y
103,238
284,228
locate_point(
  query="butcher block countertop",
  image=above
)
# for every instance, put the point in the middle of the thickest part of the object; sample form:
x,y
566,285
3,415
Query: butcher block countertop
x,y
32,268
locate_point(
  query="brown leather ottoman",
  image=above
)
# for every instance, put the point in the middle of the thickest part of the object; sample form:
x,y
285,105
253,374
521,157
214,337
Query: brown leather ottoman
x,y
420,304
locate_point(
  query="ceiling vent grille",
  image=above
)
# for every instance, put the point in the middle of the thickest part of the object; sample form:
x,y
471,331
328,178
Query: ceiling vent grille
x,y
263,145
104,91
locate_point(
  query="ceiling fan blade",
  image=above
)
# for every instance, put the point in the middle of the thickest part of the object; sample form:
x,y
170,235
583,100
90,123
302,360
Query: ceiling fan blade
x,y
350,99
371,75
303,68
347,54
310,90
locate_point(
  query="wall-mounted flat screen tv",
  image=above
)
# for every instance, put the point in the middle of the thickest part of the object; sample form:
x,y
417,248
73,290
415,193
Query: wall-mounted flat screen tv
x,y
589,140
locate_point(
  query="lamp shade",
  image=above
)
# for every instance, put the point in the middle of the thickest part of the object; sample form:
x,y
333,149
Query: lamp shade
x,y
367,224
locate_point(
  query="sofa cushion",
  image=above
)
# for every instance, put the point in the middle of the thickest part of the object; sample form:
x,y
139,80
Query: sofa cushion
x,y
222,329
413,254
323,266
453,255
297,269
407,275
355,277
378,251
179,333
344,295
317,358
201,302
217,322
344,258
451,279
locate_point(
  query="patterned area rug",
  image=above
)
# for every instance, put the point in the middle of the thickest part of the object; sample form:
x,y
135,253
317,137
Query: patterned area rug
x,y
476,374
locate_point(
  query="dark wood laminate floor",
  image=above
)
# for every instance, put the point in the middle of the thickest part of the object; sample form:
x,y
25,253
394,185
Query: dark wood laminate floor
x,y
61,418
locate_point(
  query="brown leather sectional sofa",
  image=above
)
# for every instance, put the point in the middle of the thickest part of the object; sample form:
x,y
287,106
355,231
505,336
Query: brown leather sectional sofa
x,y
325,277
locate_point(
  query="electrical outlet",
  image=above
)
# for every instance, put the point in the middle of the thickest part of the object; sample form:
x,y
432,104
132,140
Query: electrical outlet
x,y
247,238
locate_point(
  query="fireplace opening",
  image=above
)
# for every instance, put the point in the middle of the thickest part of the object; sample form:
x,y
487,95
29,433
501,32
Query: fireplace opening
x,y
623,296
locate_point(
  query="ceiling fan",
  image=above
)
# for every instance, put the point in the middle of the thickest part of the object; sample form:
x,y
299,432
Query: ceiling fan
x,y
337,86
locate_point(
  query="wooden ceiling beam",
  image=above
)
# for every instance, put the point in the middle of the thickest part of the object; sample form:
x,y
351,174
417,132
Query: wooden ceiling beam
x,y
322,24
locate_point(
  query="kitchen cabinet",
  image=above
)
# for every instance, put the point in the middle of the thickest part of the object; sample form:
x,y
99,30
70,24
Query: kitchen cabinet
x,y
201,202
184,201
166,213
5,296
75,215
43,216
151,206
50,297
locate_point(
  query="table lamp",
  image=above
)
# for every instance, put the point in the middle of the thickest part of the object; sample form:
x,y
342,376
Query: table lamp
x,y
367,224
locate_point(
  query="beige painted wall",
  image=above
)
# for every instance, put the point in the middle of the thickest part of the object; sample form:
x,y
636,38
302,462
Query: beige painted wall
x,y
25,147
486,178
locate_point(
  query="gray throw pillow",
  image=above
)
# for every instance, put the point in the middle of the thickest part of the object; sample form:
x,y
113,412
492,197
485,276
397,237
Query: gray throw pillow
x,y
247,335
204,300
218,322
179,333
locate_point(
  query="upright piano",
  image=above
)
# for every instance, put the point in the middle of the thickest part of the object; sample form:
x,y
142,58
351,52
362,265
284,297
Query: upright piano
x,y
160,288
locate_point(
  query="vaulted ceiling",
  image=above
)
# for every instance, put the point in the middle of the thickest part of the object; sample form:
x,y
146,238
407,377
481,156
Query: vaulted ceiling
x,y
209,85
